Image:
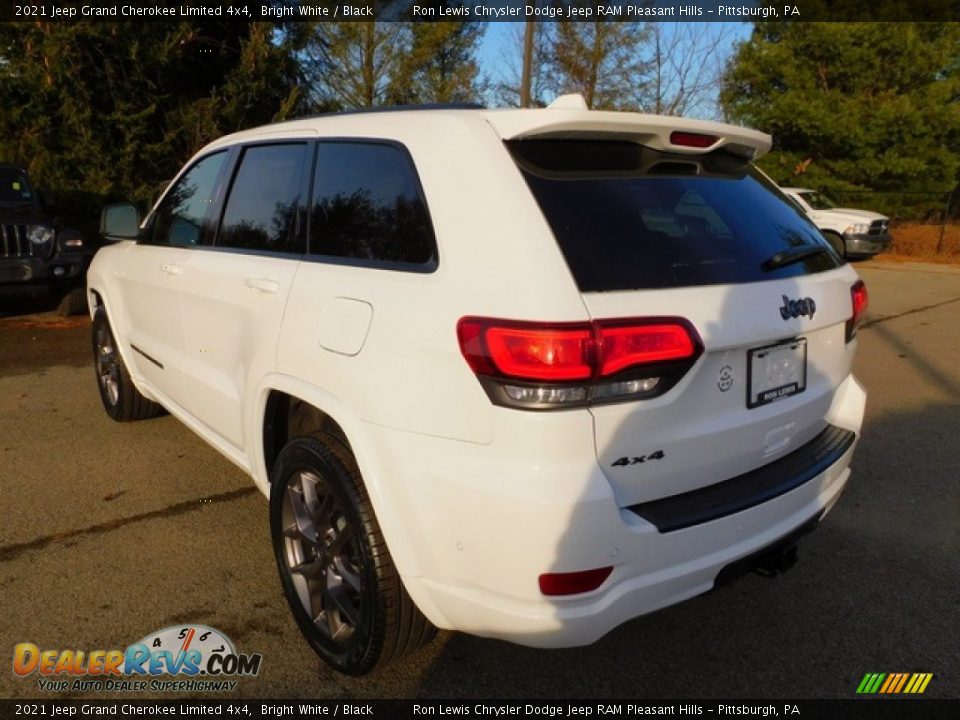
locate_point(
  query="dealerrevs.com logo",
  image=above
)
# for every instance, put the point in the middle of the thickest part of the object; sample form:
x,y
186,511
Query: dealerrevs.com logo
x,y
203,655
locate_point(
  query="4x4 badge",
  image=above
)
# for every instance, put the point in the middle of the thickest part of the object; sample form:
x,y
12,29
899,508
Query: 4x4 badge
x,y
796,308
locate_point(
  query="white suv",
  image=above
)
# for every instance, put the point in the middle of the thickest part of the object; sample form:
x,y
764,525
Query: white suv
x,y
525,374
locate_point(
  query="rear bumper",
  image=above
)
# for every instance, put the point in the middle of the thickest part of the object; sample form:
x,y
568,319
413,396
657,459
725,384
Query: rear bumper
x,y
750,489
867,244
483,531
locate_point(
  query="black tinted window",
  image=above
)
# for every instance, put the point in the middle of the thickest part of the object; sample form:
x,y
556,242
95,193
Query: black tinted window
x,y
367,205
627,217
261,209
181,217
14,187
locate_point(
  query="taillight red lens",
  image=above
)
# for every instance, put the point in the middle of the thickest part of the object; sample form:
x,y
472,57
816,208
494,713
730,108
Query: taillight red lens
x,y
689,139
527,351
860,301
628,345
573,583
549,354
567,352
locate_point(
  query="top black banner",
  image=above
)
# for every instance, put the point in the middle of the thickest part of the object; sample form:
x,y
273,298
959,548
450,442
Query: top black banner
x,y
487,11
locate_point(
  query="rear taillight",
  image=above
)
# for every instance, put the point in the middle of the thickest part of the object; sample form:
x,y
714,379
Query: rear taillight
x,y
541,353
627,345
689,139
551,365
859,299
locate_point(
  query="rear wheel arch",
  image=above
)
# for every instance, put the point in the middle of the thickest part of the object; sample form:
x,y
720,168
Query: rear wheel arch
x,y
286,417
388,499
292,426
335,568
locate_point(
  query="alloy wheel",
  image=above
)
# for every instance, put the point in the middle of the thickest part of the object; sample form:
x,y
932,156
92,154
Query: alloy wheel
x,y
108,370
322,556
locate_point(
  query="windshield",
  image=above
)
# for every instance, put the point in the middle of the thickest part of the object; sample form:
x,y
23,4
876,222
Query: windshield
x,y
818,201
628,217
14,187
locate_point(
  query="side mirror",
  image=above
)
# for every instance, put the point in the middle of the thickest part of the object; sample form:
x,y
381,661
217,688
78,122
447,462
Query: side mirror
x,y
120,222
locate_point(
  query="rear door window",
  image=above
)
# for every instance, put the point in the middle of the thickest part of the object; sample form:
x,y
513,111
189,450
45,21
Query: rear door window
x,y
627,217
368,207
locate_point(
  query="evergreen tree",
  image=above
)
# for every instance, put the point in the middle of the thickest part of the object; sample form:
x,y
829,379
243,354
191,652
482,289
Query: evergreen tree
x,y
112,109
853,105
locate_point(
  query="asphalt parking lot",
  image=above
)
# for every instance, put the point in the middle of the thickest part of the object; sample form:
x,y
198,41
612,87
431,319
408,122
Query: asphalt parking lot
x,y
111,531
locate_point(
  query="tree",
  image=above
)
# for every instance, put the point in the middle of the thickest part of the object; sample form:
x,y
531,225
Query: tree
x,y
686,63
441,64
353,64
111,109
543,83
602,61
853,105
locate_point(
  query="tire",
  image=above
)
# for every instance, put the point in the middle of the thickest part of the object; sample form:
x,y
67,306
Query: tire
x,y
335,568
74,302
120,397
837,242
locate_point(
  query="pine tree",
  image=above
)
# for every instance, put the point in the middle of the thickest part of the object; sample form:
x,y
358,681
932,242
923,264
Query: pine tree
x,y
853,105
112,109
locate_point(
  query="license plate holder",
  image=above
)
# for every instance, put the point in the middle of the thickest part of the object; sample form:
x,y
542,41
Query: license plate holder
x,y
776,372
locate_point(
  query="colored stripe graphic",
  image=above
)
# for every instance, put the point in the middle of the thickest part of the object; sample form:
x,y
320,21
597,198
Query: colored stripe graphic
x,y
894,683
875,685
892,678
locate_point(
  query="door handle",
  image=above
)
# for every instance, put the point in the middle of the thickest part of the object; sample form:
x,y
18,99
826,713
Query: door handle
x,y
171,269
263,285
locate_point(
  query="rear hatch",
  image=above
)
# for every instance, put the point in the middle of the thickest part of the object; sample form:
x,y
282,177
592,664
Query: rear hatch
x,y
695,235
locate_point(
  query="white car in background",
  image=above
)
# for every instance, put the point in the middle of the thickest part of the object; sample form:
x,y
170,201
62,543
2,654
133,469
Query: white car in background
x,y
852,233
526,374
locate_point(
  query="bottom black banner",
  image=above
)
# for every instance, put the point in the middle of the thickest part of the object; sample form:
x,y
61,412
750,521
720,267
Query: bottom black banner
x,y
853,709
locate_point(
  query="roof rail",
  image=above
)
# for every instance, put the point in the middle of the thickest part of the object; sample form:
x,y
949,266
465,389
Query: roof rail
x,y
396,108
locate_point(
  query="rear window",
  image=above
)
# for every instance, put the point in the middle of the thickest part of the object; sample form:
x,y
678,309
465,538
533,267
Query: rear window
x,y
627,217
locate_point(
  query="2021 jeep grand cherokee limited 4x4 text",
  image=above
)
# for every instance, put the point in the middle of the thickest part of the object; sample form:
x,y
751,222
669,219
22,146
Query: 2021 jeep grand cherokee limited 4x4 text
x,y
521,373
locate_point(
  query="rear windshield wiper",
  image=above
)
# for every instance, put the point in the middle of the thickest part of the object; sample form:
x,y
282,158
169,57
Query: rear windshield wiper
x,y
795,254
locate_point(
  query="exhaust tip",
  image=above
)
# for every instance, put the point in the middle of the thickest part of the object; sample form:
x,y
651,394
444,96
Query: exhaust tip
x,y
771,564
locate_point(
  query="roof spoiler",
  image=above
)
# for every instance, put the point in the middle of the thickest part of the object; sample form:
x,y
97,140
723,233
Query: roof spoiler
x,y
568,117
